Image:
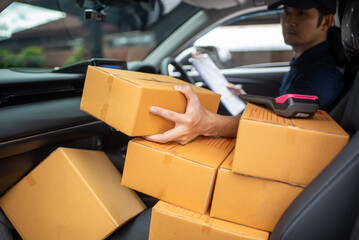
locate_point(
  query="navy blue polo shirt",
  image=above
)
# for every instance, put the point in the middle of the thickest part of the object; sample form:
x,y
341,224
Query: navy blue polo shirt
x,y
314,73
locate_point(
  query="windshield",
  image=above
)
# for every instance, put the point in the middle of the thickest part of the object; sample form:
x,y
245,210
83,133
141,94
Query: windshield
x,y
56,33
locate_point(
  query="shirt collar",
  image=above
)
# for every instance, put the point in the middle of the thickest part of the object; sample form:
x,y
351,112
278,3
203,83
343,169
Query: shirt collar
x,y
312,54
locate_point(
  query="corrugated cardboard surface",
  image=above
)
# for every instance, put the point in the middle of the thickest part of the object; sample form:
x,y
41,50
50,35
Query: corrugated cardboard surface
x,y
284,149
179,174
73,194
250,201
122,99
172,222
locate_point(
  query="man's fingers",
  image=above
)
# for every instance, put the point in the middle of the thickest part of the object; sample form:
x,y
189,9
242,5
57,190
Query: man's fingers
x,y
155,138
236,89
180,132
188,92
167,114
165,137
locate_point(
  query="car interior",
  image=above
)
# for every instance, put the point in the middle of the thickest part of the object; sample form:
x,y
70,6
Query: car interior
x,y
39,112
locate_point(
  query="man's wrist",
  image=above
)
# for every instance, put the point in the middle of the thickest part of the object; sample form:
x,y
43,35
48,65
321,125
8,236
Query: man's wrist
x,y
220,125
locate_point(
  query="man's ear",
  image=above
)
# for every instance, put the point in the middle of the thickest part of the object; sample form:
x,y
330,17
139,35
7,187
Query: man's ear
x,y
327,22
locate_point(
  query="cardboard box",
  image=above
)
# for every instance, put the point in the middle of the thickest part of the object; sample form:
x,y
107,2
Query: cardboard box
x,y
172,222
180,174
122,99
250,201
72,194
291,150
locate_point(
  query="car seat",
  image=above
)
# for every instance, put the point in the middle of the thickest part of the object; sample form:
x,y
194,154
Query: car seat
x,y
5,227
347,68
335,46
328,207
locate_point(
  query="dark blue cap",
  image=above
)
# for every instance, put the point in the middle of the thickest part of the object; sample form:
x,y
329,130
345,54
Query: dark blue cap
x,y
329,5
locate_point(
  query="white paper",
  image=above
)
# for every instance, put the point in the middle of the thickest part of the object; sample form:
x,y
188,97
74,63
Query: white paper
x,y
217,83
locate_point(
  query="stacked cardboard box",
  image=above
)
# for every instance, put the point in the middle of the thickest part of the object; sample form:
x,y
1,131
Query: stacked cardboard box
x,y
180,174
249,200
172,222
73,194
290,150
122,99
273,160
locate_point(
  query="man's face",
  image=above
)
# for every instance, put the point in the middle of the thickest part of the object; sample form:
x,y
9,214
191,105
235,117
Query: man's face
x,y
300,27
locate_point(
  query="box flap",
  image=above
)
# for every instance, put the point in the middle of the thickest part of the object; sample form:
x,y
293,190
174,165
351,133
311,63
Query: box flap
x,y
209,151
142,79
104,181
148,80
322,122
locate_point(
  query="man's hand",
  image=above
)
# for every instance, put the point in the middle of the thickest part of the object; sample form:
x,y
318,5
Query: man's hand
x,y
236,89
194,122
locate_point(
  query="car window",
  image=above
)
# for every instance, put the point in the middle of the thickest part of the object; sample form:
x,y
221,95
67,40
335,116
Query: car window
x,y
252,39
56,33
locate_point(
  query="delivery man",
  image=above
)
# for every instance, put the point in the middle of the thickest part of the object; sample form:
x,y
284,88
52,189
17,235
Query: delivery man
x,y
305,27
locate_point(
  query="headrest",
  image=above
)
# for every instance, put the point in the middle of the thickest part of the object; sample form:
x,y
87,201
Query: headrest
x,y
335,45
350,31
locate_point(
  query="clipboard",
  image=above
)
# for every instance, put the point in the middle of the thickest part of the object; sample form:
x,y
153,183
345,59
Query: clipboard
x,y
216,81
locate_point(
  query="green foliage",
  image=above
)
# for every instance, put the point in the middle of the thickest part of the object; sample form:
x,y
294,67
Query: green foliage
x,y
29,57
7,59
76,57
32,57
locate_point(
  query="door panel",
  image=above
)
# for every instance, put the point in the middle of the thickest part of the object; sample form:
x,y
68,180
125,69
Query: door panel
x,y
259,81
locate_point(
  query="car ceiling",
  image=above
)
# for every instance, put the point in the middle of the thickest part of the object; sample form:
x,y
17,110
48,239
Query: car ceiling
x,y
206,4
4,4
216,4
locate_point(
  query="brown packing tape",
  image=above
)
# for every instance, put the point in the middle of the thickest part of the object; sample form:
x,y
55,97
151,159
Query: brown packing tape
x,y
30,180
206,227
162,194
110,83
114,75
154,80
105,107
289,149
129,80
103,112
167,159
171,147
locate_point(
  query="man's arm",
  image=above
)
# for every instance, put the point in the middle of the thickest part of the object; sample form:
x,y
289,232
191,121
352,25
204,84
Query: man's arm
x,y
196,121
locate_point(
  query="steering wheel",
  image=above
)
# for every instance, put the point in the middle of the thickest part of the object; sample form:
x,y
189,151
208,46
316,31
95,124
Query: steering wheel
x,y
170,61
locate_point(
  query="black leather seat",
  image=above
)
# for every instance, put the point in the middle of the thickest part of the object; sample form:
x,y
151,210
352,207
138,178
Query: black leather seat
x,y
6,227
349,68
335,45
